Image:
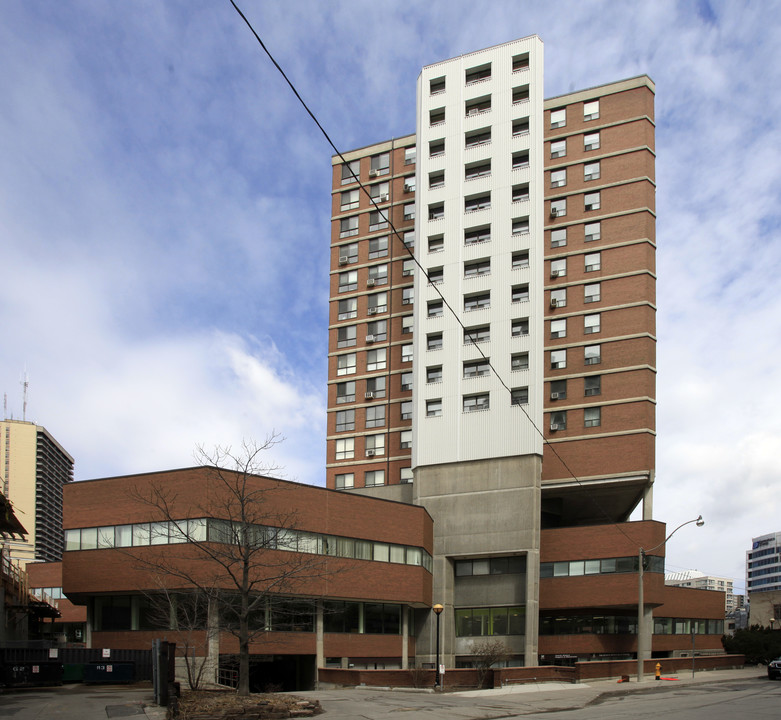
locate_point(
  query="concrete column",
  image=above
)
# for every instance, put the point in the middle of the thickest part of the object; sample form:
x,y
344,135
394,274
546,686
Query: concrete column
x,y
404,637
532,608
648,502
320,643
213,640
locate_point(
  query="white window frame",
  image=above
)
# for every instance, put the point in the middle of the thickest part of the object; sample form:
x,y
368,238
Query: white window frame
x,y
558,178
558,118
591,141
558,359
558,149
590,110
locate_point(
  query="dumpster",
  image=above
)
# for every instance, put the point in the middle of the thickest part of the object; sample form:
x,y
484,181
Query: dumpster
x,y
31,674
73,673
110,672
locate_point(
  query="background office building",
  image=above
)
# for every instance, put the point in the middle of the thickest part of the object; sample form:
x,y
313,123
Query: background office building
x,y
763,580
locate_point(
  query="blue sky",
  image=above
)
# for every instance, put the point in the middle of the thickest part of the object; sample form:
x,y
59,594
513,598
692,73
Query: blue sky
x,y
164,222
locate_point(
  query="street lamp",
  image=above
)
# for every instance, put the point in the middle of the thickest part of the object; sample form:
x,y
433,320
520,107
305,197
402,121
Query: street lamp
x,y
437,611
641,649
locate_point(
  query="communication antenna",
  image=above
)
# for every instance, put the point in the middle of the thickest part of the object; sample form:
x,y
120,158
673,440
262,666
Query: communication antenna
x,y
5,406
25,385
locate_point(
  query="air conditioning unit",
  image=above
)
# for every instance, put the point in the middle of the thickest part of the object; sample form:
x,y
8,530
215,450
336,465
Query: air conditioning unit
x,y
408,188
369,395
372,311
555,396
370,282
554,427
343,260
554,212
406,301
383,198
370,453
373,173
554,302
370,338
554,273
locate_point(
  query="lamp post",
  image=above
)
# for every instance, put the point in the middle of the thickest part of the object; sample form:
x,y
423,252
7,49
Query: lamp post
x,y
437,611
641,649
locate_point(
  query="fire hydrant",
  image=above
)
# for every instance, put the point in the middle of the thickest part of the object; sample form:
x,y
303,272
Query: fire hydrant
x,y
658,671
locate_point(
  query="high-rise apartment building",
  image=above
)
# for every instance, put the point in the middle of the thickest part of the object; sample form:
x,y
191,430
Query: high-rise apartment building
x,y
505,378
701,581
34,468
763,564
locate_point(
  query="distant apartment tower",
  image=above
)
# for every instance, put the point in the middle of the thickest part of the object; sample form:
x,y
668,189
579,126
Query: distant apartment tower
x,y
516,371
34,469
763,564
701,581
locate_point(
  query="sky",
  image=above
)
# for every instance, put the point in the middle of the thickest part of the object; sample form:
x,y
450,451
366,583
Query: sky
x,y
165,223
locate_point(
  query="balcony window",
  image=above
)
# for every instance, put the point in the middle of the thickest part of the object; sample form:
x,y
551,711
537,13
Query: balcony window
x,y
520,127
436,148
436,243
437,85
520,62
478,105
434,408
436,275
435,308
520,193
436,211
434,341
436,117
436,180
520,226
520,260
520,327
434,374
521,160
520,293
520,94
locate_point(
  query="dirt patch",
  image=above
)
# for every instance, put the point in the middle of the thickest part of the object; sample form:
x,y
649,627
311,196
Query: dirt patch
x,y
226,705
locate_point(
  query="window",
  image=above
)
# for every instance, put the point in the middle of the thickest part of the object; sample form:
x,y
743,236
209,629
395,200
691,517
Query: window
x,y
520,160
436,148
433,408
592,385
345,420
374,477
558,178
520,62
520,226
406,410
406,381
347,309
377,220
475,403
378,302
591,324
558,298
476,74
558,268
409,211
434,341
591,201
375,416
478,105
592,417
558,208
435,308
519,361
477,137
378,275
380,164
477,302
592,354
558,420
348,281
558,148
558,328
410,184
476,368
345,364
406,353
344,481
434,374
520,293
477,170
345,336
408,268
520,260
405,478
348,226
375,445
376,359
478,267
436,211
436,243
405,439
520,327
351,171
558,390
345,448
592,293
477,202
375,387
378,247
408,238
558,118
593,231
436,116
345,392
591,110
379,191
437,85
520,94
407,324
410,155
558,237
558,359
519,396
520,127
591,141
350,200
477,334
593,261
348,254
436,275
477,235
436,180
591,171
520,193
408,296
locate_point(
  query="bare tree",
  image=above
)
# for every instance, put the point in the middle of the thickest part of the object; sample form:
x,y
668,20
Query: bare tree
x,y
247,555
486,654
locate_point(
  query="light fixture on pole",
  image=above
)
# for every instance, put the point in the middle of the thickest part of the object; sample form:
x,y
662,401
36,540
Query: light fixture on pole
x,y
437,611
641,649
